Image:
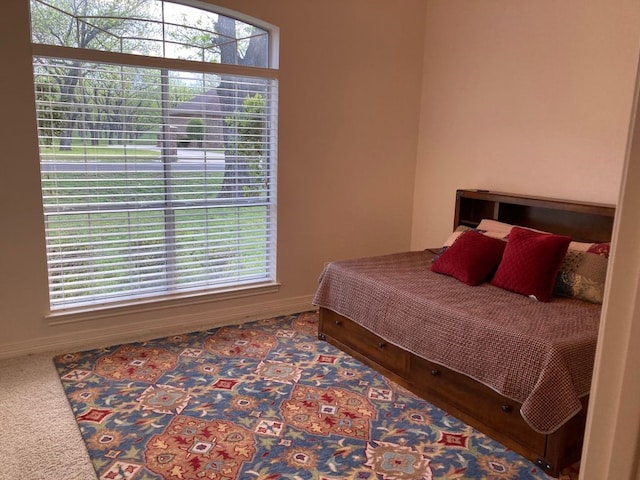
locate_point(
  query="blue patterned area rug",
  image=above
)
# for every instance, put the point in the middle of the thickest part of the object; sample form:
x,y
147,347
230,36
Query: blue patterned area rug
x,y
265,400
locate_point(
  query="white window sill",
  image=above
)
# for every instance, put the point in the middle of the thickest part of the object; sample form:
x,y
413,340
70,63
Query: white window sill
x,y
94,312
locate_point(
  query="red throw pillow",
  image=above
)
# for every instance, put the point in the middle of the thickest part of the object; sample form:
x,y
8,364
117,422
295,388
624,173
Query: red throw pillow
x,y
471,258
531,262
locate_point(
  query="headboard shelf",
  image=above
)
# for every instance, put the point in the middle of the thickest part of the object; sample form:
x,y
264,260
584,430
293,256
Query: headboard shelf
x,y
583,221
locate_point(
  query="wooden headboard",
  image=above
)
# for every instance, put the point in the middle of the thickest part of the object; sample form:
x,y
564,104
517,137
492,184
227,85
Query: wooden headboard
x,y
585,222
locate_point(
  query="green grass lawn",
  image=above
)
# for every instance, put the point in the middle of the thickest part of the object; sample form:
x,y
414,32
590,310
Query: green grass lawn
x,y
99,154
128,187
110,153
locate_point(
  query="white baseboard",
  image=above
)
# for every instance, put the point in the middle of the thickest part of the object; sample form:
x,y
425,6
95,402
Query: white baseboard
x,y
99,337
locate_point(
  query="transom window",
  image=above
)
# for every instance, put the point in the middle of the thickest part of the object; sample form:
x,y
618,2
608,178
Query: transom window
x,y
157,134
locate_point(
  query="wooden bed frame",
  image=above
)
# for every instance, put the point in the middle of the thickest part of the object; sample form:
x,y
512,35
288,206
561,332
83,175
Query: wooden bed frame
x,y
461,396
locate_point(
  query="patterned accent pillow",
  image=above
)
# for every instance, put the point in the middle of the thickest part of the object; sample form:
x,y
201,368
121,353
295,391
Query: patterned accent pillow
x,y
472,258
531,262
583,272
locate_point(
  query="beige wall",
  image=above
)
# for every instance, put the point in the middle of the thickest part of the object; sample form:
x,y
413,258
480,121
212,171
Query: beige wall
x,y
350,74
528,97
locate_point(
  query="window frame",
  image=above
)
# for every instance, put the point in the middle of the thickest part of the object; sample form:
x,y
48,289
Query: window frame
x,y
171,299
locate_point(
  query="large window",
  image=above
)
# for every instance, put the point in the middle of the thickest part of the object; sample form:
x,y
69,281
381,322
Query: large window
x,y
157,131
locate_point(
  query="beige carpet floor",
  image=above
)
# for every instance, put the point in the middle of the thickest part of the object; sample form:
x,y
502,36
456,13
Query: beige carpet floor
x,y
39,438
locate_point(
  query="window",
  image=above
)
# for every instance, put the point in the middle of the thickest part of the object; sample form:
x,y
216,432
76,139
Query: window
x,y
157,135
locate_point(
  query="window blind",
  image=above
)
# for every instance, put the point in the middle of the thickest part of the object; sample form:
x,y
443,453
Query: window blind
x,y
154,181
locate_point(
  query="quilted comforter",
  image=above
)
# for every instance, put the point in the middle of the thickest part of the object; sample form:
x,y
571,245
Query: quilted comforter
x,y
538,354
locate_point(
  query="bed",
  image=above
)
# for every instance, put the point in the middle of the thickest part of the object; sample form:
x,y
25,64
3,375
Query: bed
x,y
516,368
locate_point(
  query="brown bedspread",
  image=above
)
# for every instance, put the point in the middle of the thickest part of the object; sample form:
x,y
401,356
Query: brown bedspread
x,y
538,354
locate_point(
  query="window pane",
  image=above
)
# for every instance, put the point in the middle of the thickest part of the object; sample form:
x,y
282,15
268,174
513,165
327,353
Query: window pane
x,y
154,180
149,27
